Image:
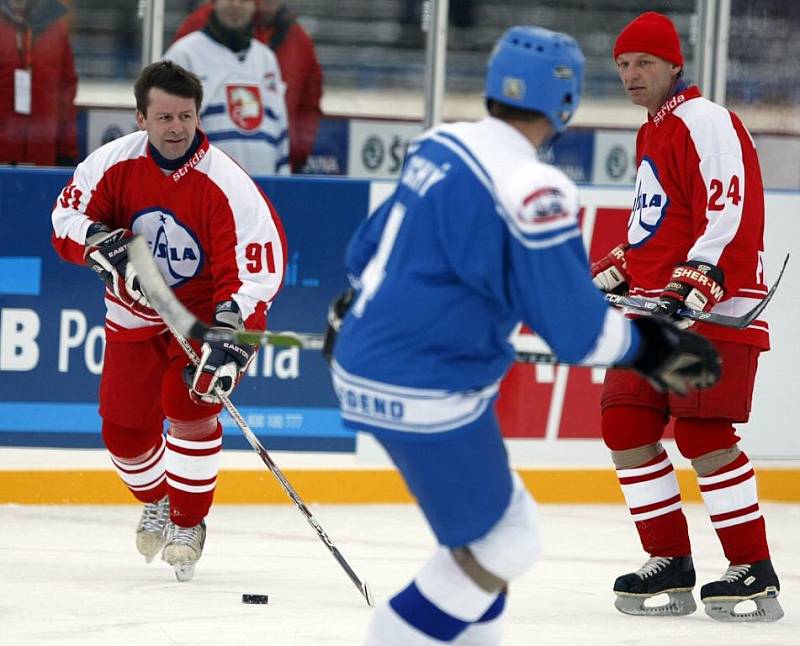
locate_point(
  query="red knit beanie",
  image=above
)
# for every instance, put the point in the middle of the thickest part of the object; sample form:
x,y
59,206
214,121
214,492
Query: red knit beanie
x,y
652,33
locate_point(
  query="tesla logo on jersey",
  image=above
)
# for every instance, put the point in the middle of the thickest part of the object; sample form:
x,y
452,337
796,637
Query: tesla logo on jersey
x,y
543,206
244,106
175,249
649,205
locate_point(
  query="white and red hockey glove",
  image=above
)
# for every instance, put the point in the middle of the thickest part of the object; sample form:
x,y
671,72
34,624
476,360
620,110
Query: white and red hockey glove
x,y
610,272
693,284
106,253
222,363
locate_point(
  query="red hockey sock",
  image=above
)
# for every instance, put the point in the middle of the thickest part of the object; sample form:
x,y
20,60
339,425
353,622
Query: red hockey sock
x,y
138,457
654,500
731,499
192,464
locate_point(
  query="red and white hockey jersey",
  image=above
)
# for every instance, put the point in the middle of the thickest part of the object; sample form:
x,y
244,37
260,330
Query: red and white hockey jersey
x,y
699,196
214,235
243,110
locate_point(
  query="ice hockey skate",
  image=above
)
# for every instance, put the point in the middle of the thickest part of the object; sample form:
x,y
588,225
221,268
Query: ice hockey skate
x,y
673,576
184,548
756,582
150,534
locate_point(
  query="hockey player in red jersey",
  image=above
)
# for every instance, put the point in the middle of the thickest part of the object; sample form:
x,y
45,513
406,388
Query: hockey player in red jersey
x,y
695,239
220,245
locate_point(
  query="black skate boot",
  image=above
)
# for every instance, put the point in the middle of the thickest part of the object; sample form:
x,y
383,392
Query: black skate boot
x,y
756,582
670,575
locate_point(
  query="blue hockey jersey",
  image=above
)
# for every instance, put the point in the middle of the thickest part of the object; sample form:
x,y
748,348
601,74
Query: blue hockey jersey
x,y
478,235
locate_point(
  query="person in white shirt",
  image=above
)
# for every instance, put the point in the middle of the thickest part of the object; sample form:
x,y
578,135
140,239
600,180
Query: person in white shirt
x,y
243,111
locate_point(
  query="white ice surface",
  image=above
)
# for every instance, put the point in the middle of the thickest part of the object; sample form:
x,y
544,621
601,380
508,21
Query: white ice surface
x,y
71,575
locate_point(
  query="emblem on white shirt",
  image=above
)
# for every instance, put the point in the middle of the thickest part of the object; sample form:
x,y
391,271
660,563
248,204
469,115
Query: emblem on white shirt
x,y
175,248
244,106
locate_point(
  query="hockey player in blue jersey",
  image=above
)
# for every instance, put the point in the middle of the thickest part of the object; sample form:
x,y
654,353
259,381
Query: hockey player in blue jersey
x,y
479,235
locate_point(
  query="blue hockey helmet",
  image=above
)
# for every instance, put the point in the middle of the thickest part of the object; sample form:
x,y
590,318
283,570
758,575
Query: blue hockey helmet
x,y
532,68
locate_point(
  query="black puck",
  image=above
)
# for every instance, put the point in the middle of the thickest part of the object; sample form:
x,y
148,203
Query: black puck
x,y
255,598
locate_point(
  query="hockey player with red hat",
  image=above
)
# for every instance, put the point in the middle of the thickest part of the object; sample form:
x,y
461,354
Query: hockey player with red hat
x,y
695,239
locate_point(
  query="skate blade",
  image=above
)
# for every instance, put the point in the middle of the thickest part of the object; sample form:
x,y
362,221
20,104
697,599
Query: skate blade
x,y
184,571
679,603
724,608
183,559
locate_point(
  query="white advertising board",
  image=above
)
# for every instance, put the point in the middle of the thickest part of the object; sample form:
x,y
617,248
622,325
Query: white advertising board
x,y
376,148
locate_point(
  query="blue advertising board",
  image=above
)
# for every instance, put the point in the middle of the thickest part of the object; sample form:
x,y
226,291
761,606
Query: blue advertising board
x,y
52,312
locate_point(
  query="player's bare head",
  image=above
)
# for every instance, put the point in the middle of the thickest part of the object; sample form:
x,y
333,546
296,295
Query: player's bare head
x,y
235,14
168,100
169,77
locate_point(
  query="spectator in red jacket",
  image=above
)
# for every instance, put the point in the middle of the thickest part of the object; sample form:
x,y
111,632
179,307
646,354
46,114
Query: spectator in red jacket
x,y
277,27
37,85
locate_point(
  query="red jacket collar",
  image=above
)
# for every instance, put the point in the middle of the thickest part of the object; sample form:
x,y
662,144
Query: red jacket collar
x,y
179,168
679,98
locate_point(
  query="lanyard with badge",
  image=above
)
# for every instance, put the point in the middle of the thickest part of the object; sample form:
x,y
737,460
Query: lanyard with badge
x,y
22,75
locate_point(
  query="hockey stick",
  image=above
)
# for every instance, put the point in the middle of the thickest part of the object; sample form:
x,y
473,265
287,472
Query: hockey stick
x,y
547,359
642,304
181,320
362,586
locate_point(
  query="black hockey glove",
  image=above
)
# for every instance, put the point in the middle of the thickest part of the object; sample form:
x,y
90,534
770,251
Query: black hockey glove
x,y
337,310
673,359
222,363
106,253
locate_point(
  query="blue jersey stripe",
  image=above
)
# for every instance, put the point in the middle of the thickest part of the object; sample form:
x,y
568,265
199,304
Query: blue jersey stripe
x,y
466,152
537,240
378,406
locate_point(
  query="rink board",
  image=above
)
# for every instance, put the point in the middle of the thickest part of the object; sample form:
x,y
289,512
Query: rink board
x,y
51,321
51,346
355,486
